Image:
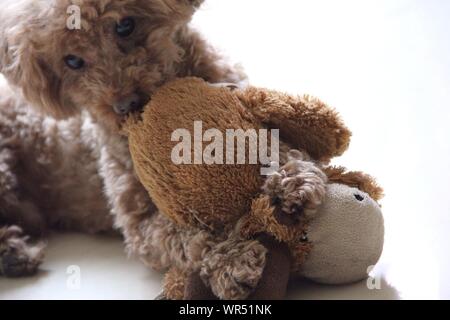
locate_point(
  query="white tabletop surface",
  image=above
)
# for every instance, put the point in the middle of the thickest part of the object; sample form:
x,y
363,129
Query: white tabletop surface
x,y
385,65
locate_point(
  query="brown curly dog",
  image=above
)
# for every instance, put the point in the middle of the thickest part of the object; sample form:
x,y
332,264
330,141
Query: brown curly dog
x,y
63,163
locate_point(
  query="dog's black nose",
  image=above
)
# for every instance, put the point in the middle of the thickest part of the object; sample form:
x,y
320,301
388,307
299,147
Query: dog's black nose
x,y
128,104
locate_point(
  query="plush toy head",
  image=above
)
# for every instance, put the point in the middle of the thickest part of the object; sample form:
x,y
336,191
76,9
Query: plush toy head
x,y
340,241
347,236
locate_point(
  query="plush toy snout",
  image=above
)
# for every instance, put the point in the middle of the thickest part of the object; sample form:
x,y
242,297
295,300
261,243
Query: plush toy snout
x,y
347,237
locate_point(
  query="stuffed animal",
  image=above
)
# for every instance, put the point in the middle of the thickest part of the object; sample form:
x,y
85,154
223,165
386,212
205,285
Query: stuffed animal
x,y
216,194
252,226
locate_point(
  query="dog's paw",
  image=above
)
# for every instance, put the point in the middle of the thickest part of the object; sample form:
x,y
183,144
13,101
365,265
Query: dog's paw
x,y
17,257
296,189
233,269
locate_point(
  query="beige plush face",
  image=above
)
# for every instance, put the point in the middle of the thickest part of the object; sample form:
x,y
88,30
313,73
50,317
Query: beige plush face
x,y
347,237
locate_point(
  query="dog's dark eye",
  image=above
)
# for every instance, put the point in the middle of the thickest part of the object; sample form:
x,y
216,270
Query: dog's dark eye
x,y
358,197
74,62
125,27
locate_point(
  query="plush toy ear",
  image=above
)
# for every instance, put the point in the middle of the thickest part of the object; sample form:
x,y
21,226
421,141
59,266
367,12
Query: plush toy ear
x,y
305,123
356,179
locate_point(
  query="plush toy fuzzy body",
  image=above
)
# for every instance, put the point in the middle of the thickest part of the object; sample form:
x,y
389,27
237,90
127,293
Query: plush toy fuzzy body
x,y
217,195
233,233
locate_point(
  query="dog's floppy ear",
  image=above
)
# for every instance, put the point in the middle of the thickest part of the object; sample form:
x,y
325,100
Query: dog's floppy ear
x,y
25,69
173,12
23,65
5,57
193,3
196,3
184,6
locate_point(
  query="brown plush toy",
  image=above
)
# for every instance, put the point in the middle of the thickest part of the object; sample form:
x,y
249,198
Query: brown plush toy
x,y
234,203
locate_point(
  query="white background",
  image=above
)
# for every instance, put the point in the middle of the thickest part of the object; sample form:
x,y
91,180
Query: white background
x,y
385,65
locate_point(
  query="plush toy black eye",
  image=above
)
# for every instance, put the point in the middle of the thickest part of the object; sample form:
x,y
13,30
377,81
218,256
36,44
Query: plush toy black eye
x,y
359,197
304,238
125,27
74,62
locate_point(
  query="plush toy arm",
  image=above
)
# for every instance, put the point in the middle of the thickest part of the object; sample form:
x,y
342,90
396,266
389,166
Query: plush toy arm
x,y
304,122
357,179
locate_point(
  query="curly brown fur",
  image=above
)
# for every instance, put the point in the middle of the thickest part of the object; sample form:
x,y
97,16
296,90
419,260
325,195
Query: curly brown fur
x,y
234,267
174,284
63,162
297,183
290,197
162,244
230,265
17,256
